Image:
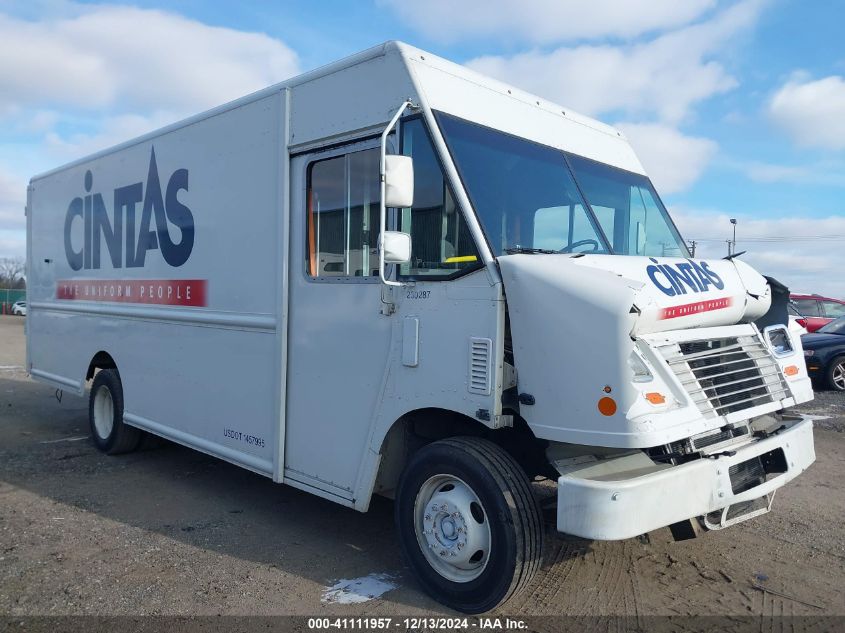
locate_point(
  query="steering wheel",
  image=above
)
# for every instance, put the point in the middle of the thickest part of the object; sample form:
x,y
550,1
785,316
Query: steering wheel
x,y
593,243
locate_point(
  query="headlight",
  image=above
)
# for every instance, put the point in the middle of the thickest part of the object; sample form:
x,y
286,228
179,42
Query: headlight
x,y
809,352
779,340
638,368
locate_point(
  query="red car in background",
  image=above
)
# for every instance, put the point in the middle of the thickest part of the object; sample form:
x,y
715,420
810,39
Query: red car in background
x,y
815,310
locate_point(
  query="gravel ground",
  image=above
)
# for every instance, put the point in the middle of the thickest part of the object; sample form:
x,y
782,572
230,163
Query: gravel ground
x,y
171,531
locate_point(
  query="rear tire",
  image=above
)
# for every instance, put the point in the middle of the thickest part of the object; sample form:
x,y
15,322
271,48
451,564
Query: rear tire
x,y
469,524
105,415
836,374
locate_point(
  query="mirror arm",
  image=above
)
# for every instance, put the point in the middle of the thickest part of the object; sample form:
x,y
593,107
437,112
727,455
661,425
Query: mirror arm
x,y
382,207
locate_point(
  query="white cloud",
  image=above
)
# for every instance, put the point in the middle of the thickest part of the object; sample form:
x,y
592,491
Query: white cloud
x,y
12,200
673,160
83,77
663,77
829,173
803,262
544,21
126,57
111,131
12,243
768,172
812,112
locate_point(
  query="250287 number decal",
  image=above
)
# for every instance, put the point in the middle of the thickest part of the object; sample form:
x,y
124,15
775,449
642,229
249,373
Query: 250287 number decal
x,y
418,294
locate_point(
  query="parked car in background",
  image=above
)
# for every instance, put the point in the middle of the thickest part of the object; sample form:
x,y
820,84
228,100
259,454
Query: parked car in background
x,y
816,310
824,353
19,308
796,321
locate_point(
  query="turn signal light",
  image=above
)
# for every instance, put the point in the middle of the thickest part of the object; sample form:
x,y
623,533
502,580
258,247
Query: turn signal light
x,y
607,406
791,370
655,398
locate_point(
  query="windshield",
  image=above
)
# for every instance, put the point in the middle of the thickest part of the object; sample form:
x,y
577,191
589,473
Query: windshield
x,y
628,209
837,326
523,192
526,197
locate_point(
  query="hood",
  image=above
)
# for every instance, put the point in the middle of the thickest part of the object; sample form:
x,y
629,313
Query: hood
x,y
821,339
671,293
572,319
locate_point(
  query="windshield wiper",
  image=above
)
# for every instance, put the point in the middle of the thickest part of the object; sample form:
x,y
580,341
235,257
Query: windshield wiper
x,y
514,250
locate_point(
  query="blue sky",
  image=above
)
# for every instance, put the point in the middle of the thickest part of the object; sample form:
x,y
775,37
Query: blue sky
x,y
737,109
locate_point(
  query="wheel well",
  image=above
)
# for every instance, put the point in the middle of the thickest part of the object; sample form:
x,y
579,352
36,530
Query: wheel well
x,y
101,360
420,427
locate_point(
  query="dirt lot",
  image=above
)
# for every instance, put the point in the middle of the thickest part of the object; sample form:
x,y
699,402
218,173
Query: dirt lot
x,y
171,531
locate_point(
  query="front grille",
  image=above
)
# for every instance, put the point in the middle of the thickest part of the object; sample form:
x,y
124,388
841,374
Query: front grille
x,y
722,435
725,375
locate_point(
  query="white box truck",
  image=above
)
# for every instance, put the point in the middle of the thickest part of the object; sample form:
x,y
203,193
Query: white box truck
x,y
393,275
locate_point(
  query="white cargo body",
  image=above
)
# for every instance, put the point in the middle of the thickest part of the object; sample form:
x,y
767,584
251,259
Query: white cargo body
x,y
221,282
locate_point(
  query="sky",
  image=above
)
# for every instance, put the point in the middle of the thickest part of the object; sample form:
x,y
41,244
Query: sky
x,y
736,109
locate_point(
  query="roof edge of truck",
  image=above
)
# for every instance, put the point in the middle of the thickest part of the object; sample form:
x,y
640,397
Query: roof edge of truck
x,y
321,71
496,85
406,51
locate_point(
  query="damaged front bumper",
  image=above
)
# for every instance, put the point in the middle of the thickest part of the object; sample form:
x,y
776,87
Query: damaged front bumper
x,y
623,497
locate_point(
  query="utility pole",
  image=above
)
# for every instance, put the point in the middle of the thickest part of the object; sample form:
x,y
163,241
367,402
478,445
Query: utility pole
x,y
732,246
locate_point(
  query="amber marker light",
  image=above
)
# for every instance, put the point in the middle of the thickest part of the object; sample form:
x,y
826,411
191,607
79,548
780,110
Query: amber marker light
x,y
791,370
607,406
655,398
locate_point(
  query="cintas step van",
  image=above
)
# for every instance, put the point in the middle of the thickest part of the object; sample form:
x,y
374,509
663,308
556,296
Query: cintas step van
x,y
395,276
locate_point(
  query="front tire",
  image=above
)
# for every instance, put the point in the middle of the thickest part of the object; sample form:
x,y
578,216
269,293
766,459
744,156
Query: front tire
x,y
469,524
105,415
836,374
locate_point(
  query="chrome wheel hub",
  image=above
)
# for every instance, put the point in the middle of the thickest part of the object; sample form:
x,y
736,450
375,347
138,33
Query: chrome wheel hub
x,y
839,376
452,528
103,413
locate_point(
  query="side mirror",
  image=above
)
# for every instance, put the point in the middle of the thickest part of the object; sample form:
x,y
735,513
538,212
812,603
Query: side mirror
x,y
398,181
397,247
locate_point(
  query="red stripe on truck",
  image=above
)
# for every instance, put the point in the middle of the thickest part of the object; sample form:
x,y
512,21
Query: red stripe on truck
x,y
168,292
694,308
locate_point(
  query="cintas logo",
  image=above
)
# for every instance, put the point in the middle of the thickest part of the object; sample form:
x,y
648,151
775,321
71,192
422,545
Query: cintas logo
x,y
127,237
676,280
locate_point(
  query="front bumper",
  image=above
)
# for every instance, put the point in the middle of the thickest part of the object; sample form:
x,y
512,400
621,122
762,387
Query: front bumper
x,y
610,508
815,368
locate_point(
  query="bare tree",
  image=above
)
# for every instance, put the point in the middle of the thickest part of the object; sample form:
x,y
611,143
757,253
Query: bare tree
x,y
12,270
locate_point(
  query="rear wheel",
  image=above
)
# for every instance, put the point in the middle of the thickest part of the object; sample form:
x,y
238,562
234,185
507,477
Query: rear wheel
x,y
836,374
469,525
105,415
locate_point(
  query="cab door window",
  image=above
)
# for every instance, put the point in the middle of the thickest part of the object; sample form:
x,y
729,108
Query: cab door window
x,y
343,216
441,243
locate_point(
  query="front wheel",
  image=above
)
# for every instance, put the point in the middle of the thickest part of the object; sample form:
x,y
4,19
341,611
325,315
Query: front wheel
x,y
469,525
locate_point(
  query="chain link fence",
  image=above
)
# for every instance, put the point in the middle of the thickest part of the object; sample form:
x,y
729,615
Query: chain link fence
x,y
8,298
